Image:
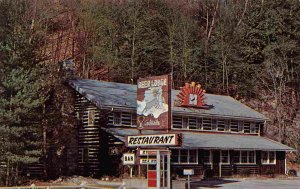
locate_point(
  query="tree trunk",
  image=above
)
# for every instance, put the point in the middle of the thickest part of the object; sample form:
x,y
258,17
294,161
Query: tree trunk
x,y
7,173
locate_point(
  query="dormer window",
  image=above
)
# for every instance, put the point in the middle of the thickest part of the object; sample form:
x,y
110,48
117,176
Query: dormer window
x,y
213,124
241,127
122,119
117,118
253,128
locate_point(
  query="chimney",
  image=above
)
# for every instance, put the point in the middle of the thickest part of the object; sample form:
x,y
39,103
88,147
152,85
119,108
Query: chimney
x,y
68,69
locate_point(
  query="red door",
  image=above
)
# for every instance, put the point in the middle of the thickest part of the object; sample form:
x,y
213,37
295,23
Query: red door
x,y
152,178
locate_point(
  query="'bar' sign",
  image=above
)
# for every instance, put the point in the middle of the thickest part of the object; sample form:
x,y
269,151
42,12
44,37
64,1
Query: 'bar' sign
x,y
128,159
152,140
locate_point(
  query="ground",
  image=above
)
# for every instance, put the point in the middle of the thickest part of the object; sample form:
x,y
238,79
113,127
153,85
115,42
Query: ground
x,y
238,183
226,183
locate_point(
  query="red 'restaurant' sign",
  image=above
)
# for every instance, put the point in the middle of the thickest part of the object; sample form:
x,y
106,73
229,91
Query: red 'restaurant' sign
x,y
154,102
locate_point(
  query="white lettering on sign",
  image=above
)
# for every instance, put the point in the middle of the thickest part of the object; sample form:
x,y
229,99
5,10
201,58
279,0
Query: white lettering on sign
x,y
128,159
144,161
188,171
152,140
152,83
152,152
147,152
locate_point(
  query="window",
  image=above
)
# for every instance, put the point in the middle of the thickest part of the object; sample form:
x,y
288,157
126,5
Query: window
x,y
264,157
258,127
272,157
133,119
122,119
246,127
233,126
117,118
126,119
193,157
199,123
241,127
244,157
185,156
227,125
207,156
206,122
252,127
251,157
192,123
175,156
91,117
213,124
185,122
177,122
221,125
225,157
268,157
84,155
236,157
182,122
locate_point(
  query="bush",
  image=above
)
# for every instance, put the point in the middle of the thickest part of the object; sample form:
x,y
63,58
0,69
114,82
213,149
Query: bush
x,y
292,172
245,172
270,172
208,173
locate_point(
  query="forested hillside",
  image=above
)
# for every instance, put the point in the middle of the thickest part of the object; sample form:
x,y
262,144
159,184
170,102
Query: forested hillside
x,y
248,49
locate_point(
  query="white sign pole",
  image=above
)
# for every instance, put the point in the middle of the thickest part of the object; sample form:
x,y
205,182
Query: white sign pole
x,y
157,169
169,170
188,172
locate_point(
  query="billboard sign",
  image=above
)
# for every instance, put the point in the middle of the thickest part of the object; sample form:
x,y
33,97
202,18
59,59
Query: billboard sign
x,y
154,102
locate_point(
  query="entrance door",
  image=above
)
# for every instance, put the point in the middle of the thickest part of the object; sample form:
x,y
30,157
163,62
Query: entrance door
x,y
216,162
159,175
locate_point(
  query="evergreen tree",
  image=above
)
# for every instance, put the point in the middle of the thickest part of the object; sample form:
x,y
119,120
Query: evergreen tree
x,y
22,93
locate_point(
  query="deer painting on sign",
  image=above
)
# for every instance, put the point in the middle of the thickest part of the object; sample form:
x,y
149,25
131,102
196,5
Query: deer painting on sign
x,y
153,103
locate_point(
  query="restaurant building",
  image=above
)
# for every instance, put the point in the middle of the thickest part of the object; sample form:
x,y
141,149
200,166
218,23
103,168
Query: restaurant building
x,y
225,137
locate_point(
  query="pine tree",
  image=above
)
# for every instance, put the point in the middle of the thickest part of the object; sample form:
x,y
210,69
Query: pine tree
x,y
22,95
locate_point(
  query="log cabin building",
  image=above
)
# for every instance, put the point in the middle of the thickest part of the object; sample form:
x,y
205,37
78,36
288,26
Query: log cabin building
x,y
226,138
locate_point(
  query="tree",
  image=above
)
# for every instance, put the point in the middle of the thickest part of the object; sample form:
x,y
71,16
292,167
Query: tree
x,y
22,93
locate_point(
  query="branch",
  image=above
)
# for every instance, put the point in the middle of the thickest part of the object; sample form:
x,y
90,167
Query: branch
x,y
213,21
244,12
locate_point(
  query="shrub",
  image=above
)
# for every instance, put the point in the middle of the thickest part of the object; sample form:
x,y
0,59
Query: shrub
x,y
292,172
245,172
208,173
270,172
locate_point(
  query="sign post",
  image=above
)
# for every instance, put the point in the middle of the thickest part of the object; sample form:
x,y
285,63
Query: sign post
x,y
154,113
188,172
129,159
